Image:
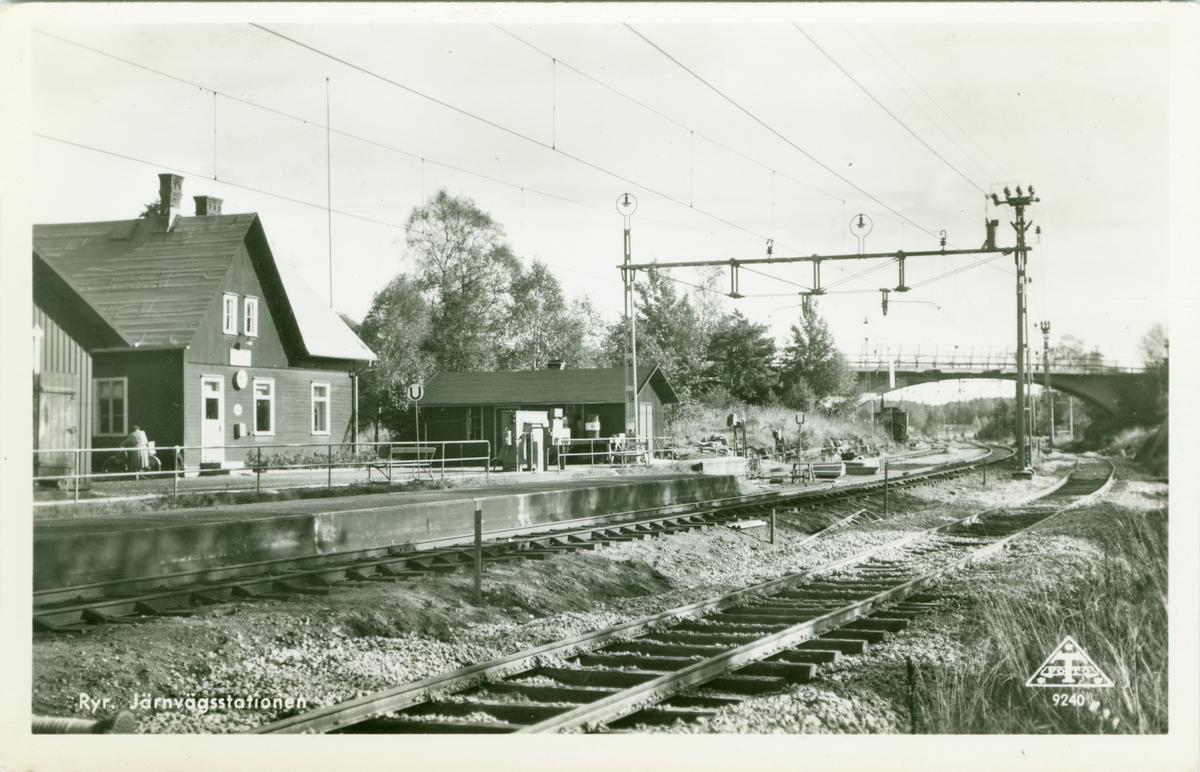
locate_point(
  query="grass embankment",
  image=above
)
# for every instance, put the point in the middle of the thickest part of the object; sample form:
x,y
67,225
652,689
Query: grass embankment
x,y
1112,601
702,422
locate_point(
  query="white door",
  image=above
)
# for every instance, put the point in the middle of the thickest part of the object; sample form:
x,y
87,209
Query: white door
x,y
646,426
212,420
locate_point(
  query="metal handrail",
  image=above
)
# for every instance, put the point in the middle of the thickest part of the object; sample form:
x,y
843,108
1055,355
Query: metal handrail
x,y
82,460
990,360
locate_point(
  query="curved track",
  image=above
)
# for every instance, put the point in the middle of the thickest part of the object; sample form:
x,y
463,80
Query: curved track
x,y
688,662
139,600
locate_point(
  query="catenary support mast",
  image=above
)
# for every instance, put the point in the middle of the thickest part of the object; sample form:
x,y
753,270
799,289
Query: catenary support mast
x,y
626,204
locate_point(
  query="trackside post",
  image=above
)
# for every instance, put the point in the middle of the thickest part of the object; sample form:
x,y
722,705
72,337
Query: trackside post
x,y
478,553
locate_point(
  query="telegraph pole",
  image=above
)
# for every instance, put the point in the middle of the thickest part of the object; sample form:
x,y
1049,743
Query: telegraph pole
x,y
627,205
1018,203
1046,370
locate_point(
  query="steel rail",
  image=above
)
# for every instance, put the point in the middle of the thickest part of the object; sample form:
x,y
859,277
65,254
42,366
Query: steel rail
x,y
617,705
155,587
342,715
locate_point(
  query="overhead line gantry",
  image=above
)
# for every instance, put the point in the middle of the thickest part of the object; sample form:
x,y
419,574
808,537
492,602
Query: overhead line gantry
x,y
1021,251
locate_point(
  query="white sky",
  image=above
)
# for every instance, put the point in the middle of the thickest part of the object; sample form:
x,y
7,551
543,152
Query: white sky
x,y
1081,110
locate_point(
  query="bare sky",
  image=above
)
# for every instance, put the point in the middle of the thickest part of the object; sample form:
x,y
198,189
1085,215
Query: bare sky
x,y
514,115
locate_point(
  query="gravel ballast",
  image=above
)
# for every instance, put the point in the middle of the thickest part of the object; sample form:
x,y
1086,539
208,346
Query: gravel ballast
x,y
365,638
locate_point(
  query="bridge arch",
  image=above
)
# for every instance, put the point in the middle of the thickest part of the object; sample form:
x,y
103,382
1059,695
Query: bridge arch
x,y
1104,390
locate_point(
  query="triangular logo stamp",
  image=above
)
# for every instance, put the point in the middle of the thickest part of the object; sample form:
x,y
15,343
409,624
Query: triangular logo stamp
x,y
1069,667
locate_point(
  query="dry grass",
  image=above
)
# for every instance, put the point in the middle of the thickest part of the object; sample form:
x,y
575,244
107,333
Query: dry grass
x,y
1114,606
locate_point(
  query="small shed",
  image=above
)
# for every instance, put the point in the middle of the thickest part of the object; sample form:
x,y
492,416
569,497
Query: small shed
x,y
467,406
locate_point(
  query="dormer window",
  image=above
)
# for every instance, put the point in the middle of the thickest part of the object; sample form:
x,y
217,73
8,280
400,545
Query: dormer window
x,y
229,315
251,317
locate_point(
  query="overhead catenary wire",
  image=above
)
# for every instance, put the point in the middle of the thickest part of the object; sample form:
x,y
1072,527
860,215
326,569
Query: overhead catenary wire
x,y
341,133
917,104
771,129
289,198
896,117
683,126
251,188
883,48
769,276
359,138
506,130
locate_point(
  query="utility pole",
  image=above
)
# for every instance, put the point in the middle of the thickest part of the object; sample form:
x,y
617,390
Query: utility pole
x,y
1046,381
1018,203
627,205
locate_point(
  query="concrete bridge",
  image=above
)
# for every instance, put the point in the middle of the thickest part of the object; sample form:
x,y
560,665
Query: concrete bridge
x,y
1098,381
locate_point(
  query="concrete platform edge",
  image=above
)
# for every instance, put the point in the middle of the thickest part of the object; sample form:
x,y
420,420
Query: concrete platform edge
x,y
78,559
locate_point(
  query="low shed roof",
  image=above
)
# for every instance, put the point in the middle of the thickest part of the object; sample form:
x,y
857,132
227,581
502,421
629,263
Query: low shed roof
x,y
542,387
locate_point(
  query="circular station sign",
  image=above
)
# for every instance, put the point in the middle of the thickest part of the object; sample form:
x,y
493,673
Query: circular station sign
x,y
416,391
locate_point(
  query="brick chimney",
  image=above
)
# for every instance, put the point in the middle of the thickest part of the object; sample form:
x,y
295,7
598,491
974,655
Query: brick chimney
x,y
207,206
170,195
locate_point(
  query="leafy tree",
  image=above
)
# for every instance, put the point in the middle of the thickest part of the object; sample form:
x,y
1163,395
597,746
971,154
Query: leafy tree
x,y
542,326
742,355
536,320
153,209
1071,351
586,332
669,332
1155,349
1001,424
813,368
397,329
1155,345
465,270
710,303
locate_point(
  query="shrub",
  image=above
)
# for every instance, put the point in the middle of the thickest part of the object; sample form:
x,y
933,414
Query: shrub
x,y
308,457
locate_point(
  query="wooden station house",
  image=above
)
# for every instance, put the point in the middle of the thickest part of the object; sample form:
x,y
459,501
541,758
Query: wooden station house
x,y
182,326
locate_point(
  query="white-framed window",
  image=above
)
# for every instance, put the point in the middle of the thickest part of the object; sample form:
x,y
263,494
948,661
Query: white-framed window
x,y
112,406
320,408
250,314
264,405
229,314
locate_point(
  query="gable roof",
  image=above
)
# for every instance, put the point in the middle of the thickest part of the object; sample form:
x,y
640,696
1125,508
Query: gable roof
x,y
153,287
542,387
322,331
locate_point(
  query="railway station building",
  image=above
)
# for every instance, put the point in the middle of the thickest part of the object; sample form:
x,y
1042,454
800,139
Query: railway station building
x,y
473,406
185,327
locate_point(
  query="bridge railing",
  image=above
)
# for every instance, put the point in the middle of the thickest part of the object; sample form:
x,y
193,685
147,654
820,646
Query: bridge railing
x,y
984,359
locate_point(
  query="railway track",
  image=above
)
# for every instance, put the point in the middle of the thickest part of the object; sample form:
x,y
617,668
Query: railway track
x,y
70,609
687,663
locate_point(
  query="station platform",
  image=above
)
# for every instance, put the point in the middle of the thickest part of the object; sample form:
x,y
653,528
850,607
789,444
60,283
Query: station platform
x,y
180,543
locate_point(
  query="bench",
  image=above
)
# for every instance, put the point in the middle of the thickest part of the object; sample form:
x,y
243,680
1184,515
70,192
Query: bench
x,y
404,456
